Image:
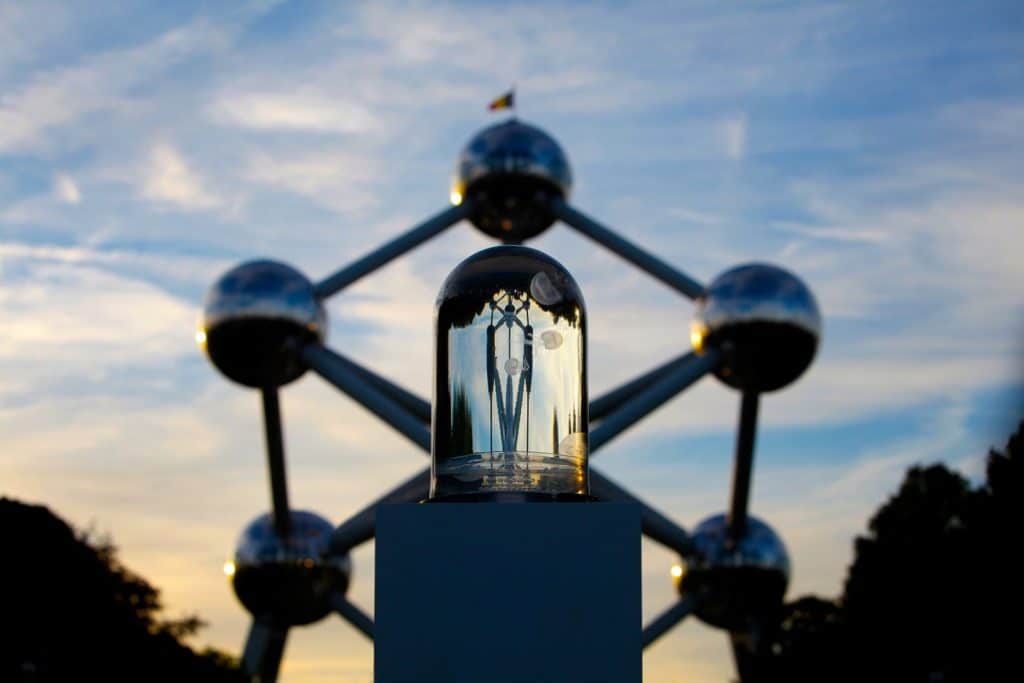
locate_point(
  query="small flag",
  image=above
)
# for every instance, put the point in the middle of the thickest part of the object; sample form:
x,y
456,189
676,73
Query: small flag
x,y
506,101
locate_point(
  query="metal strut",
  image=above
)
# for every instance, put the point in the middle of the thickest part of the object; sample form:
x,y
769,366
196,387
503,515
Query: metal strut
x,y
743,465
351,613
263,650
326,363
644,260
652,398
392,250
275,462
667,620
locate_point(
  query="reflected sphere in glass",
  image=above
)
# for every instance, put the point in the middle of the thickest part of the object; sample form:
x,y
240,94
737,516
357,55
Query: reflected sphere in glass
x,y
505,169
288,579
735,584
510,385
767,322
251,316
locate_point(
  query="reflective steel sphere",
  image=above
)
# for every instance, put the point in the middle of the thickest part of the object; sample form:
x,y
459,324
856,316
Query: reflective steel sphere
x,y
505,169
288,579
251,314
766,321
734,584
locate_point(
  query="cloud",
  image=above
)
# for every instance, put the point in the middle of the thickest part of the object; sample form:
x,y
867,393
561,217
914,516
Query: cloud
x,y
734,134
996,119
76,327
62,96
65,189
24,37
417,35
168,179
562,61
304,112
58,307
341,180
154,268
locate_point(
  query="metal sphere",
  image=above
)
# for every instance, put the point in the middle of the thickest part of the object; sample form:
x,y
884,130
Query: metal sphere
x,y
250,317
288,579
734,584
766,321
505,169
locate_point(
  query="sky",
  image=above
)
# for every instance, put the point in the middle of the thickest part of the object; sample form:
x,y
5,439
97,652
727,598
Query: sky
x,y
873,148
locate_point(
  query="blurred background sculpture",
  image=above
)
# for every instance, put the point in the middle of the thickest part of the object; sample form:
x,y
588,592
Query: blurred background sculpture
x,y
757,328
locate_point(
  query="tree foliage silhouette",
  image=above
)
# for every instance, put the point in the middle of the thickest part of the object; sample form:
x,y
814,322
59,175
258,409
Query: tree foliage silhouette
x,y
930,591
72,612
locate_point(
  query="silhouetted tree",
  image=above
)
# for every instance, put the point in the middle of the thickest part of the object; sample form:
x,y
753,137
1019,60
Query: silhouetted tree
x,y
904,601
809,644
69,611
933,590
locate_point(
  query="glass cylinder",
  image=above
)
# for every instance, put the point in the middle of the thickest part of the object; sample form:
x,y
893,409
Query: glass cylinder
x,y
510,380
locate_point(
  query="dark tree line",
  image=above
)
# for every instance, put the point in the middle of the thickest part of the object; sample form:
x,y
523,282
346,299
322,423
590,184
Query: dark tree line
x,y
69,611
934,592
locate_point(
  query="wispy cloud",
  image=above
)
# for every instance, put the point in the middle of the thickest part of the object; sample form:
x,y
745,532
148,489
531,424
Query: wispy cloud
x,y
24,37
340,180
167,178
76,327
836,233
734,134
302,112
30,111
66,189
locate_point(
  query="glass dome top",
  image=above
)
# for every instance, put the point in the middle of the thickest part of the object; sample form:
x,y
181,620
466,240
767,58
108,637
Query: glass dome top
x,y
510,387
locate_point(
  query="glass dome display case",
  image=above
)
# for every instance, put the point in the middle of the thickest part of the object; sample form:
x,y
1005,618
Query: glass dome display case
x,y
510,387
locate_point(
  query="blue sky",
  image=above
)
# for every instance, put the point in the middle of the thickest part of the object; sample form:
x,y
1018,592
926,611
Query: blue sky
x,y
873,148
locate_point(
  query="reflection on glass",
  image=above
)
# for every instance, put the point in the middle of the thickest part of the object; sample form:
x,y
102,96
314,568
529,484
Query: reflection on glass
x,y
510,403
